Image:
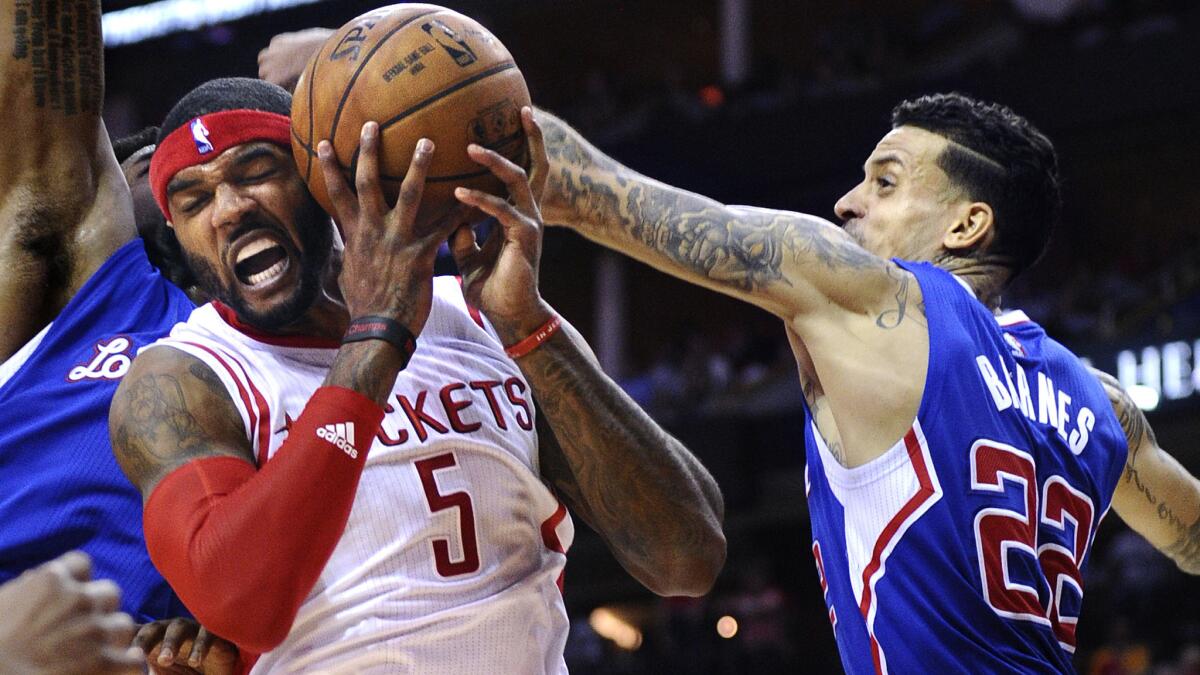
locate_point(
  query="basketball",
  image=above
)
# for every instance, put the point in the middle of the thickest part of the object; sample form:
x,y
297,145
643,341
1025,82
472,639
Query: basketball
x,y
420,71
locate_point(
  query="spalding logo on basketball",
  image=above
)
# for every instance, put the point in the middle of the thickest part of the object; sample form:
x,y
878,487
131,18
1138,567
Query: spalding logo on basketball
x,y
419,71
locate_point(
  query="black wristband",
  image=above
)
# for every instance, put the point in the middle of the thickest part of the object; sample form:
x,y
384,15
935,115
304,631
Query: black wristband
x,y
382,328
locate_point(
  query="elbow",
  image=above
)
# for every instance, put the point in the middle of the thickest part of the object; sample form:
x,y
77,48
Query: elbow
x,y
1191,566
689,569
254,625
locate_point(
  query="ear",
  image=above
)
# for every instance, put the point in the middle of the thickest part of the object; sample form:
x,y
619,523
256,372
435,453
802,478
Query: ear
x,y
973,229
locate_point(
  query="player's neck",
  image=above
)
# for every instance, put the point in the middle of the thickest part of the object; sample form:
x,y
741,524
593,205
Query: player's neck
x,y
986,276
327,318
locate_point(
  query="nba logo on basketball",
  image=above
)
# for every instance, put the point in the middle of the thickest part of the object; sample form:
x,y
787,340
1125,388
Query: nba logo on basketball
x,y
458,50
200,135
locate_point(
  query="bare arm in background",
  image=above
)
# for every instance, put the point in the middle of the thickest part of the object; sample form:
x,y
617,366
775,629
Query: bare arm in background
x,y
64,204
1156,496
282,61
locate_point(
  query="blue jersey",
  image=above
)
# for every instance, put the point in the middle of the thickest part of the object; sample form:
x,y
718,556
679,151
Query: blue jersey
x,y
961,549
60,487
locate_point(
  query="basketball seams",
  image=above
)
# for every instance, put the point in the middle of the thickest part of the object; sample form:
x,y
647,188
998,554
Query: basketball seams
x,y
471,106
312,78
461,84
337,115
420,105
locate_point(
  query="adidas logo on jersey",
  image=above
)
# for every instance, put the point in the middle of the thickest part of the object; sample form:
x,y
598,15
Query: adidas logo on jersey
x,y
341,435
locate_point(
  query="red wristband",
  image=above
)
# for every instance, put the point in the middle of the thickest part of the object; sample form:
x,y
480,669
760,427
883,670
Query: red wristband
x,y
535,339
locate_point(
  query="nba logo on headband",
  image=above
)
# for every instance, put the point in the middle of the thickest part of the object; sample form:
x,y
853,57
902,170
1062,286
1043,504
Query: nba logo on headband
x,y
200,136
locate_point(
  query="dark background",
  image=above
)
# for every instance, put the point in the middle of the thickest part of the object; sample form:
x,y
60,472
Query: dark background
x,y
1116,85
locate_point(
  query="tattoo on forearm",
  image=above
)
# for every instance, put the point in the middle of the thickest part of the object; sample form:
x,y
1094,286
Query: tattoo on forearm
x,y
364,367
1133,421
1186,551
632,481
746,250
61,41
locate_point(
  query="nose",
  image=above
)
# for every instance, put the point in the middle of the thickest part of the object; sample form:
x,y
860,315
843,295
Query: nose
x,y
230,206
849,206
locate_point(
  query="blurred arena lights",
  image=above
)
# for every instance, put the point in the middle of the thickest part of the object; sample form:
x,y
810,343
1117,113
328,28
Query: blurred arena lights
x,y
156,19
727,626
1144,397
608,624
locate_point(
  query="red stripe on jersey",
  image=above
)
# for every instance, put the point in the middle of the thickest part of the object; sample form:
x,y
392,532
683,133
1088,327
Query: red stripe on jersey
x,y
549,531
302,341
470,308
882,544
264,415
550,537
250,409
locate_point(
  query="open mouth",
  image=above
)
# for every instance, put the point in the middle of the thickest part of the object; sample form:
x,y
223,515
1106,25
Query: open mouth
x,y
260,262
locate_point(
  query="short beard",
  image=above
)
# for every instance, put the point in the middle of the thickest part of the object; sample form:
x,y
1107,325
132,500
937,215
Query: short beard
x,y
316,240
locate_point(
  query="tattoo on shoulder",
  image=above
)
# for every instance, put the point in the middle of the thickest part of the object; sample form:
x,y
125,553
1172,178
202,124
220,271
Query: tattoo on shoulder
x,y
1132,419
153,428
904,308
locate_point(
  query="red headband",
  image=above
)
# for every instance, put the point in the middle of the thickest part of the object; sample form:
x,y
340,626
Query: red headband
x,y
205,137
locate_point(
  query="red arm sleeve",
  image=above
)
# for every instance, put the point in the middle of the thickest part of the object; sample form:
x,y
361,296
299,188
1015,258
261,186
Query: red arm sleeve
x,y
244,547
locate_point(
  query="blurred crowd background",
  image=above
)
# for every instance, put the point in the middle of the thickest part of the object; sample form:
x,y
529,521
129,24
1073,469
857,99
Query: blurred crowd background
x,y
777,103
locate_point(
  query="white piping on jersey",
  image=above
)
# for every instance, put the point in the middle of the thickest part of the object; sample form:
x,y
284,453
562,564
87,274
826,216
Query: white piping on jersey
x,y
1012,317
873,523
12,365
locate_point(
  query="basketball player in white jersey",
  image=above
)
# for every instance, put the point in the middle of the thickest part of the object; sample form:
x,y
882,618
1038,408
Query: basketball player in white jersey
x,y
352,476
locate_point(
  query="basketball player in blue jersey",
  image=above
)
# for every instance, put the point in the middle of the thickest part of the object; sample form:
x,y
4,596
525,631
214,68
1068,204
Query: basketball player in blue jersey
x,y
959,461
77,299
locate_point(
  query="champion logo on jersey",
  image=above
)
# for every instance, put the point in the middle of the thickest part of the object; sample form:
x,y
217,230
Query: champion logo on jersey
x,y
200,136
341,435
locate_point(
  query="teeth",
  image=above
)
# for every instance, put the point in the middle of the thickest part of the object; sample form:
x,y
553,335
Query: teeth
x,y
257,246
269,273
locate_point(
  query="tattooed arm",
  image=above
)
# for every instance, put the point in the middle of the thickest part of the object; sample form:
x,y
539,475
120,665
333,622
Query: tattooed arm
x,y
64,205
640,489
218,527
647,496
171,408
787,263
1156,496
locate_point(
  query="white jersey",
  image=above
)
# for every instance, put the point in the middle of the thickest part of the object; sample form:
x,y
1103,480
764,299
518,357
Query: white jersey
x,y
452,558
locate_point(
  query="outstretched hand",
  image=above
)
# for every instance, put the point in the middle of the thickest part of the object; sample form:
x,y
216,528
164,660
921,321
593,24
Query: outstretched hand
x,y
501,277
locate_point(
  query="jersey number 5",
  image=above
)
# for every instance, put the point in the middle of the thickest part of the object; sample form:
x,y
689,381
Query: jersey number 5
x,y
1002,532
466,518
